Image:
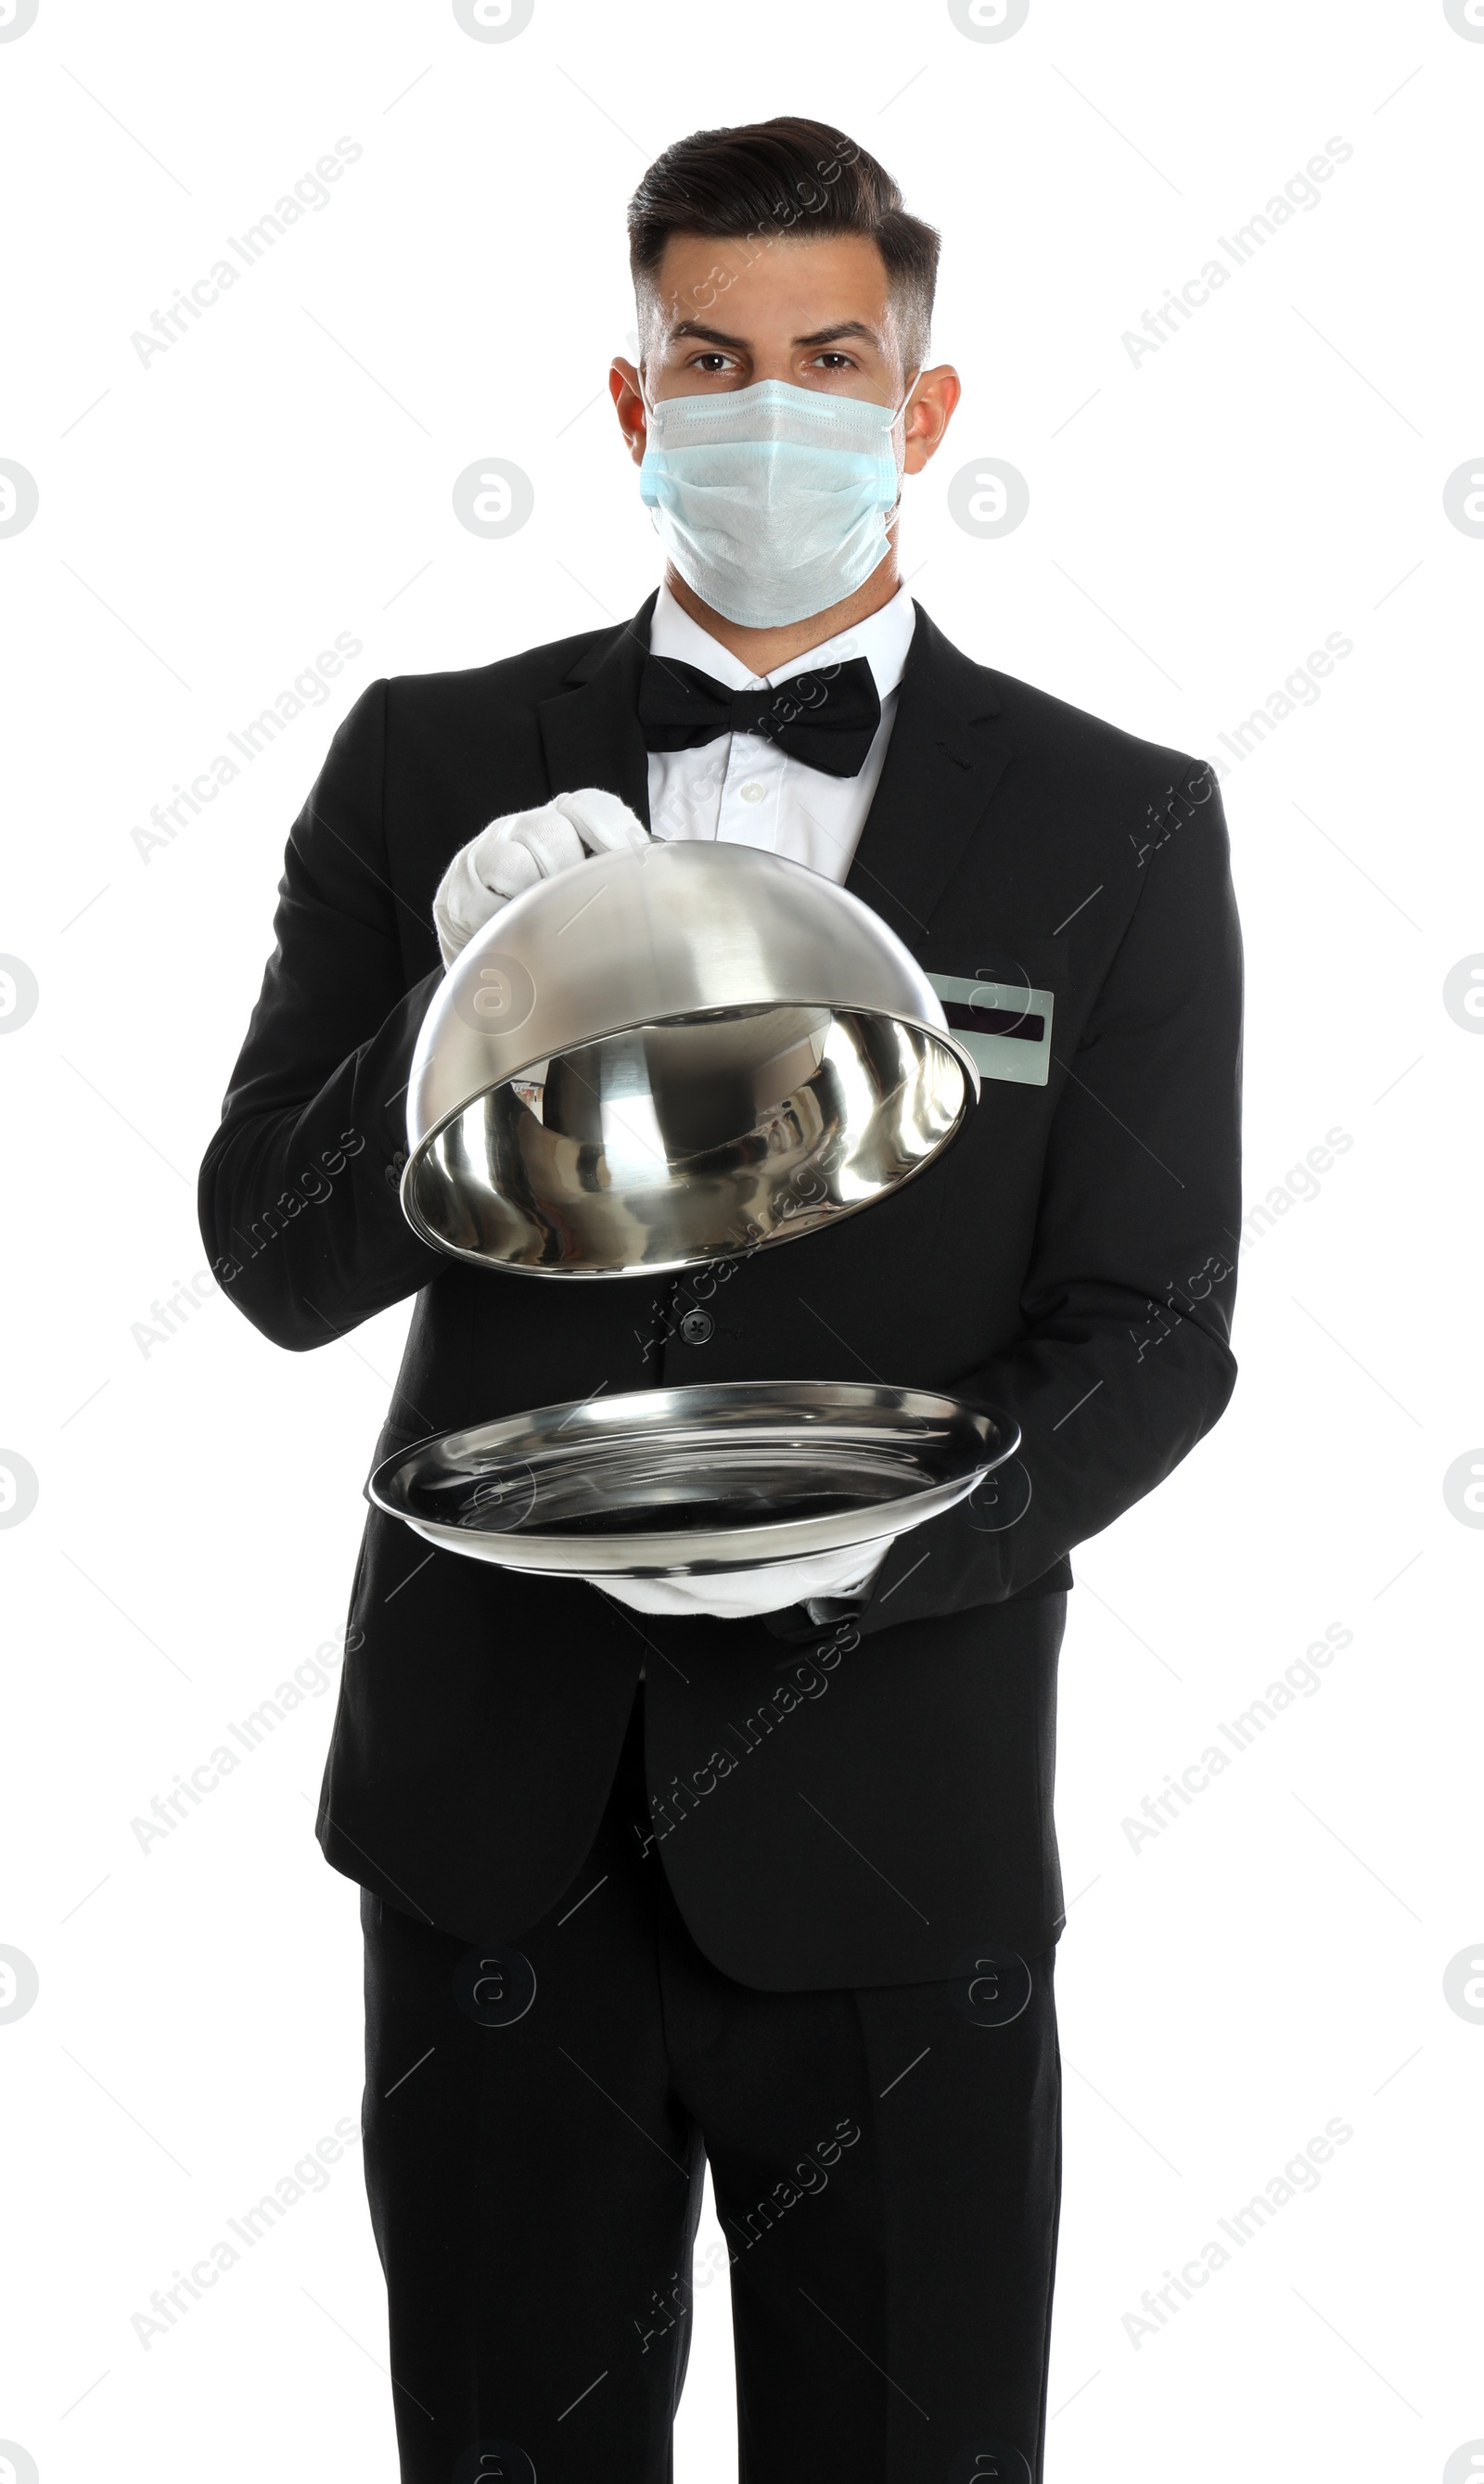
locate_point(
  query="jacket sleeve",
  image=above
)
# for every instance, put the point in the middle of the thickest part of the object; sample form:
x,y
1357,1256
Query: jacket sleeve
x,y
298,1193
1123,1363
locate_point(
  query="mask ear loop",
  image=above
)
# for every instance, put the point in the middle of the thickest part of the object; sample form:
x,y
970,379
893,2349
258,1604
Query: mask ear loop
x,y
914,377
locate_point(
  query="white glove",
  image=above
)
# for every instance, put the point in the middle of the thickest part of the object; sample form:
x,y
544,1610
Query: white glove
x,y
735,1594
511,854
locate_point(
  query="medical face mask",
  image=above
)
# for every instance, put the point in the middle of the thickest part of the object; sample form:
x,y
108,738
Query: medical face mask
x,y
772,501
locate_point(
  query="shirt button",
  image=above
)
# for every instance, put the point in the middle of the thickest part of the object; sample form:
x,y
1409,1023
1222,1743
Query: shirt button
x,y
753,792
696,1326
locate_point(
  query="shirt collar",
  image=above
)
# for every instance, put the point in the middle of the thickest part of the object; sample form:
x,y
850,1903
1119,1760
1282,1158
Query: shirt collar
x,y
883,638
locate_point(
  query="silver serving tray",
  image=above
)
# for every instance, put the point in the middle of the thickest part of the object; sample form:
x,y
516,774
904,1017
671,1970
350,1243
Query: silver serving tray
x,y
677,1482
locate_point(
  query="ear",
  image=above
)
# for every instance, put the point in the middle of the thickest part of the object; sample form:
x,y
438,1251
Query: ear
x,y
930,414
628,404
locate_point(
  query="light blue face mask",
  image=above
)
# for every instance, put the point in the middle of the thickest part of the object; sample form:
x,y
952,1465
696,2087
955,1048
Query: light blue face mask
x,y
772,501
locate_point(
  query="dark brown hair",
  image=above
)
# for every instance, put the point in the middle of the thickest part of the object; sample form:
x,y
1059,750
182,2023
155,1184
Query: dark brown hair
x,y
769,179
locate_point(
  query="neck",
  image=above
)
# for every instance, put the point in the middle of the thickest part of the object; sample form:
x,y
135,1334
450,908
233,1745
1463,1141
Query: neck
x,y
763,651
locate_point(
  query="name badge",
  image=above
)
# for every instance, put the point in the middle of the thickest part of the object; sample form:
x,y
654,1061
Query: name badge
x,y
1004,1028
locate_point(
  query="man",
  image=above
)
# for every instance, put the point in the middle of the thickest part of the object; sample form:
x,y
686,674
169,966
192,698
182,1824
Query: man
x,y
789,1903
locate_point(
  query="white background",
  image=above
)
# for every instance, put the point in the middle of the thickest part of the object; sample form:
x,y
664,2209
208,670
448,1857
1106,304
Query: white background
x,y
1198,520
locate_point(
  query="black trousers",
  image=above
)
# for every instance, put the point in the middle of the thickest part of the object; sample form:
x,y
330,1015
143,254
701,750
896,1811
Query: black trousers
x,y
886,2166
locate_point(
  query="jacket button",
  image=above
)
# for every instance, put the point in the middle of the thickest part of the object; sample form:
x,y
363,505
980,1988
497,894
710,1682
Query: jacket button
x,y
696,1326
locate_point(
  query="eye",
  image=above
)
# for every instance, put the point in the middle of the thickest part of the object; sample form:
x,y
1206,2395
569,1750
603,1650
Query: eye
x,y
835,362
710,363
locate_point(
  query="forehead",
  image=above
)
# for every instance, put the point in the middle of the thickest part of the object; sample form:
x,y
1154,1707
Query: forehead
x,y
781,289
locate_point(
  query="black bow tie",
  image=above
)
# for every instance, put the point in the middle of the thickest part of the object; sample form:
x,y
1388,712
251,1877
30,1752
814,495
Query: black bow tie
x,y
825,718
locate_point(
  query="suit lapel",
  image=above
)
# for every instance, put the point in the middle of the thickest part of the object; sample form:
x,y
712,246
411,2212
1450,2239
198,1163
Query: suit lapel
x,y
590,733
942,767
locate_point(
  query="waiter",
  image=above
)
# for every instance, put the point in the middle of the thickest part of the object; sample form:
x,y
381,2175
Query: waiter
x,y
777,1889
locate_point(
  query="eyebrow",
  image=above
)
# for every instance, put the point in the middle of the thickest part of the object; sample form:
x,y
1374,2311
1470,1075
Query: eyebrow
x,y
842,328
738,344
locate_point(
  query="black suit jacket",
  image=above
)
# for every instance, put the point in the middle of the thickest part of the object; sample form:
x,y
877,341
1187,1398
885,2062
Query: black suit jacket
x,y
835,1806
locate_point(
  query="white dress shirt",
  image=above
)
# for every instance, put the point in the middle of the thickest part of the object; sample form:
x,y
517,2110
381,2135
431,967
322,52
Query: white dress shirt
x,y
745,789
